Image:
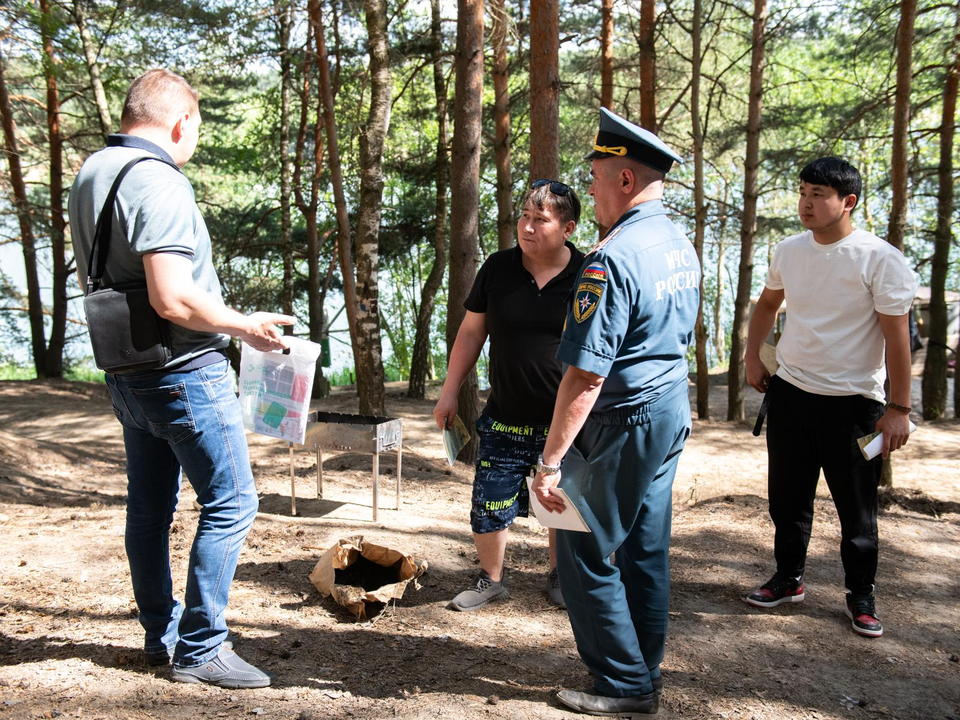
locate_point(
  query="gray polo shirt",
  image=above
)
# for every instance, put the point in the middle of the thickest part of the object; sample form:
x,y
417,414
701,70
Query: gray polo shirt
x,y
155,211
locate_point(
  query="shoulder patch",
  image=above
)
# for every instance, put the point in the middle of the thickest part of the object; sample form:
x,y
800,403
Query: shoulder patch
x,y
596,272
586,301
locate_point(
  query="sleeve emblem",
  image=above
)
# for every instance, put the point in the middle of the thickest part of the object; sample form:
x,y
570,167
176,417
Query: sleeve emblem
x,y
595,272
586,301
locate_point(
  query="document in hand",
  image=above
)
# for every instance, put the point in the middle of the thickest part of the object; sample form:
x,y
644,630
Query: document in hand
x,y
872,445
455,438
569,519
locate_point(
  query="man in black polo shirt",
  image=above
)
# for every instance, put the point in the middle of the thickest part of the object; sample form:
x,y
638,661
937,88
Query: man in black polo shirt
x,y
518,300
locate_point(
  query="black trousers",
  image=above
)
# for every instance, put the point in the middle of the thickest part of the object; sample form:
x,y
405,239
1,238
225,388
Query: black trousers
x,y
807,433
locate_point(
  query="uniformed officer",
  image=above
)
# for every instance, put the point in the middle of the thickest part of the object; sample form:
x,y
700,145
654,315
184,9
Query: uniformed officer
x,y
623,413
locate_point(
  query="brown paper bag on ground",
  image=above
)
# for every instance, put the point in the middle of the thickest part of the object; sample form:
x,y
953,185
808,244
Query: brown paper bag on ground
x,y
358,573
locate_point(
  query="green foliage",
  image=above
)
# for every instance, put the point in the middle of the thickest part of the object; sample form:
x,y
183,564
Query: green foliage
x,y
828,89
9,371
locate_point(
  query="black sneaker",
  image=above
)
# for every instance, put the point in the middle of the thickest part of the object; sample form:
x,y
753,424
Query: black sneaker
x,y
775,591
863,615
482,591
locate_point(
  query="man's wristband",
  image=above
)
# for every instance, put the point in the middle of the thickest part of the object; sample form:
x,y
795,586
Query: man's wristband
x,y
545,469
899,408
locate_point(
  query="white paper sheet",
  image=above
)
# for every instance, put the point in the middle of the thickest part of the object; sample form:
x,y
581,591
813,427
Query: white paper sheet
x,y
872,445
569,519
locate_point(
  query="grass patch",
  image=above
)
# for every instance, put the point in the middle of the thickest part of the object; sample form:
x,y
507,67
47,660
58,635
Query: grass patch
x,y
73,373
17,372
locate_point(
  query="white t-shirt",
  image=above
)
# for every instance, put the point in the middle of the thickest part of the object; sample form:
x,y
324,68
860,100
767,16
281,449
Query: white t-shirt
x,y
832,343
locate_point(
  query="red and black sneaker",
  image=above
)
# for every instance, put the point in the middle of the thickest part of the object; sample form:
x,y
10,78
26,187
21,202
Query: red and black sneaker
x,y
775,591
863,615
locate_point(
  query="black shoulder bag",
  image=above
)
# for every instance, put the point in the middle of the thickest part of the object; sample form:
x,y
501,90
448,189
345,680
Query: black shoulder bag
x,y
127,334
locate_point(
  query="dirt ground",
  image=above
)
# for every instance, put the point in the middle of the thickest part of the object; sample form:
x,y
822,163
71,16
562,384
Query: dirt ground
x,y
69,640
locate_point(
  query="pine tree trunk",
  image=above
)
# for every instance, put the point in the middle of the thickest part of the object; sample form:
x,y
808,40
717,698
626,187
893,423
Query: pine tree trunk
x,y
934,387
321,388
606,54
648,66
420,363
719,336
53,362
465,192
901,123
501,121
899,159
372,137
544,89
38,343
700,214
325,89
748,228
285,10
93,66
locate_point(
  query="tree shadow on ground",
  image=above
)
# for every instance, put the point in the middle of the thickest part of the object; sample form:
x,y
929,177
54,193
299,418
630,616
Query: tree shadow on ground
x,y
21,488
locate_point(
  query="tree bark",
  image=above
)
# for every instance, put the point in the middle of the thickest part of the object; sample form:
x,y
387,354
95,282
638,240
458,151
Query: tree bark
x,y
53,362
372,137
901,123
308,208
93,66
38,343
285,10
748,228
325,89
501,121
934,384
700,213
719,336
899,170
544,89
648,66
606,54
465,192
420,363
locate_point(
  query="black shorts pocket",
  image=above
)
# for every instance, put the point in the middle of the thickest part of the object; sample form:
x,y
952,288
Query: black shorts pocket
x,y
167,409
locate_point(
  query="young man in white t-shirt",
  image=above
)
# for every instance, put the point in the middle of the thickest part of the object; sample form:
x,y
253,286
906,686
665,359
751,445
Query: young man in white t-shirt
x,y
848,297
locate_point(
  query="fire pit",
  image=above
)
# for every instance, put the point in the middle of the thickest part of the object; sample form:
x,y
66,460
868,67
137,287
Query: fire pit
x,y
364,433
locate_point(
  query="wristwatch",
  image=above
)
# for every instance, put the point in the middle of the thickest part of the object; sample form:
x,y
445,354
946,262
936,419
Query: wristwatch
x,y
545,469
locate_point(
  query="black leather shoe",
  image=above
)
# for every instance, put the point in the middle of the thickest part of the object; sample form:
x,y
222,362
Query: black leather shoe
x,y
591,704
657,684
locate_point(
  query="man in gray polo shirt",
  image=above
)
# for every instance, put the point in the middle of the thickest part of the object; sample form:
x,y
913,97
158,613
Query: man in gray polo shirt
x,y
184,415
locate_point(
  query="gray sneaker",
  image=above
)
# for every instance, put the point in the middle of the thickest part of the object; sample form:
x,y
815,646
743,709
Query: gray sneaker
x,y
482,591
227,670
553,589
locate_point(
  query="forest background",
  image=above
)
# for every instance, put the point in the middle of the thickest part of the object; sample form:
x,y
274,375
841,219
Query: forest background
x,y
359,159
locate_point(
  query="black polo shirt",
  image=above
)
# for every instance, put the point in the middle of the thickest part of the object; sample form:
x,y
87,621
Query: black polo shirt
x,y
524,324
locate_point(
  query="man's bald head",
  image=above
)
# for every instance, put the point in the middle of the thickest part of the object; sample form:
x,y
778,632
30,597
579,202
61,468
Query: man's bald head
x,y
156,99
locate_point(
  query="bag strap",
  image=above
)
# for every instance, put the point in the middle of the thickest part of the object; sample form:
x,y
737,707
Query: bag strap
x,y
101,236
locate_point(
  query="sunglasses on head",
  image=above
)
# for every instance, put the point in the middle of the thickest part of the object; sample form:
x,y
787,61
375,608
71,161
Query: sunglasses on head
x,y
556,187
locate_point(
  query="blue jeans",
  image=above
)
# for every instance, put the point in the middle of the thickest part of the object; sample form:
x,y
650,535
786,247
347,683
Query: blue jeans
x,y
189,420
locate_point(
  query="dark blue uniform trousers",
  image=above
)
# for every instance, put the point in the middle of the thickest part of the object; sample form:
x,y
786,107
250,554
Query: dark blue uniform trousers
x,y
620,473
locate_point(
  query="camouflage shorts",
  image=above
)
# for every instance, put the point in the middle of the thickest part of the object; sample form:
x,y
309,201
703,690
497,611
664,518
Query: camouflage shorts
x,y
505,457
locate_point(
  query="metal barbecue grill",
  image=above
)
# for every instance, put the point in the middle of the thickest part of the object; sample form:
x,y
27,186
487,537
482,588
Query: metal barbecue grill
x,y
340,432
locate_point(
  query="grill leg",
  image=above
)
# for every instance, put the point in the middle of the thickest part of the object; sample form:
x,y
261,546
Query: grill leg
x,y
319,473
399,458
293,485
376,483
